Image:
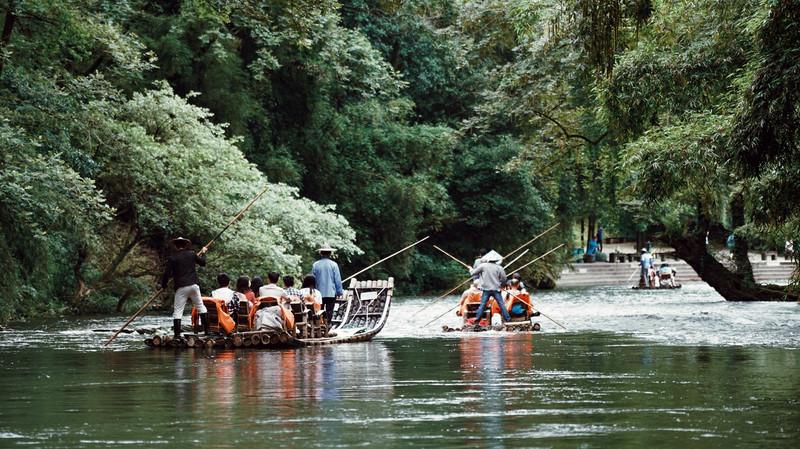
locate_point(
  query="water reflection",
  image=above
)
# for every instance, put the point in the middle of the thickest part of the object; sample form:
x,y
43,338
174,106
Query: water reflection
x,y
274,385
490,367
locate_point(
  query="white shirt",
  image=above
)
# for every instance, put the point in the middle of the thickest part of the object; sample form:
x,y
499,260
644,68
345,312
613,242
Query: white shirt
x,y
271,290
317,295
223,293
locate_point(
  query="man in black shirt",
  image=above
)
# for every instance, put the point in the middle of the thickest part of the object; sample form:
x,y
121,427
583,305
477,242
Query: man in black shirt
x,y
181,268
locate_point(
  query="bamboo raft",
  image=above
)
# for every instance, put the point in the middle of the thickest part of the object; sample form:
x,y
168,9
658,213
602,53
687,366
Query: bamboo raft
x,y
358,316
662,287
518,323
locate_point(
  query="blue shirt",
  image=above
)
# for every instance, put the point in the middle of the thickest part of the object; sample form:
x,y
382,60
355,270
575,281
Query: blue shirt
x,y
329,280
646,260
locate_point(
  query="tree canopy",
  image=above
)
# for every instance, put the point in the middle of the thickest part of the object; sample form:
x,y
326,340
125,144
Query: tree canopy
x,y
374,123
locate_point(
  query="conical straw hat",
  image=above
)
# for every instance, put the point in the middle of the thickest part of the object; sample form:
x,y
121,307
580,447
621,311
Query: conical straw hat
x,y
492,256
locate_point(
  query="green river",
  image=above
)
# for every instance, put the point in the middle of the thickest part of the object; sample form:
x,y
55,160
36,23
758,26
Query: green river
x,y
671,369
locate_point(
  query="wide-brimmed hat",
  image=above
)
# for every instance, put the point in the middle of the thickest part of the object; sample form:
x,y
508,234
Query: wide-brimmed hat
x,y
326,248
492,256
180,241
644,250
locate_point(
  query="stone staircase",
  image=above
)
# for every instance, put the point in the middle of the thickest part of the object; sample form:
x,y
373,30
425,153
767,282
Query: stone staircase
x,y
626,273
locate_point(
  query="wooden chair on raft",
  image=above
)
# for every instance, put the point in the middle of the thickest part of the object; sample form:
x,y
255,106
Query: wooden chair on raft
x,y
472,310
218,317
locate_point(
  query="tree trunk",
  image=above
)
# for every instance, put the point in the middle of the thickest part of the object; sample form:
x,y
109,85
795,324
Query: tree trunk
x,y
740,247
8,28
125,296
731,286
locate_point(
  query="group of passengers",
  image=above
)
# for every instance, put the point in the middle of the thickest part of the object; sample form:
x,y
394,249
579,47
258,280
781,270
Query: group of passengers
x,y
654,276
246,290
320,288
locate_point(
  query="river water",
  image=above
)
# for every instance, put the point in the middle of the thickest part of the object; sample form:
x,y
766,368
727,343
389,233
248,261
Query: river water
x,y
671,369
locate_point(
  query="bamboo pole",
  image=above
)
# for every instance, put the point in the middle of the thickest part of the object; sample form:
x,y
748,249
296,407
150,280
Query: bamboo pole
x,y
540,312
239,214
532,240
453,257
386,258
141,309
538,258
516,259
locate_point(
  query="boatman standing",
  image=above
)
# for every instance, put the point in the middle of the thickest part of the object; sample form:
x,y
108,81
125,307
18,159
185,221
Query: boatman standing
x,y
492,277
329,280
645,261
181,267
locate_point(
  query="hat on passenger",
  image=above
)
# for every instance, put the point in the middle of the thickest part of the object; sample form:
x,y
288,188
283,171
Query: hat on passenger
x,y
644,250
492,256
326,248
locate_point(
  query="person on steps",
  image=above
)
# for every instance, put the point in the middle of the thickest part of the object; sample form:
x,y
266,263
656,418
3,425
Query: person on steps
x,y
600,235
181,267
329,280
645,261
492,277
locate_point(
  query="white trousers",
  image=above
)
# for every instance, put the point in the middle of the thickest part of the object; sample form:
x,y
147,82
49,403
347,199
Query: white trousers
x,y
182,294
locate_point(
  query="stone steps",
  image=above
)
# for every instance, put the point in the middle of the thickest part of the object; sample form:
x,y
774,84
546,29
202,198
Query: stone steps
x,y
603,273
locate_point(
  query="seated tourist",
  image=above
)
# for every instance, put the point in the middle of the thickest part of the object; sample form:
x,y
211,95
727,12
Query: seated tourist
x,y
668,273
244,290
272,289
472,294
270,318
291,292
255,285
518,277
311,296
223,292
512,286
655,281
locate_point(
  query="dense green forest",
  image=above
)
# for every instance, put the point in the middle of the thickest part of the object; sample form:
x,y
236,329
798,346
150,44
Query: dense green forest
x,y
126,123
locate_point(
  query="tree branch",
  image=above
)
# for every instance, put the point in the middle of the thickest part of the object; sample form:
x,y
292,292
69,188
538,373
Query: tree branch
x,y
569,135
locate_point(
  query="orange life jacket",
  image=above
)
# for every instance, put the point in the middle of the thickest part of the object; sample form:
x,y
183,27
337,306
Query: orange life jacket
x,y
470,298
515,296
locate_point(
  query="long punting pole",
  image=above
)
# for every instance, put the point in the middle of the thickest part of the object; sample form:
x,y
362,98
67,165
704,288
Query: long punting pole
x,y
238,215
531,240
207,245
147,303
386,258
534,260
541,313
453,257
516,259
